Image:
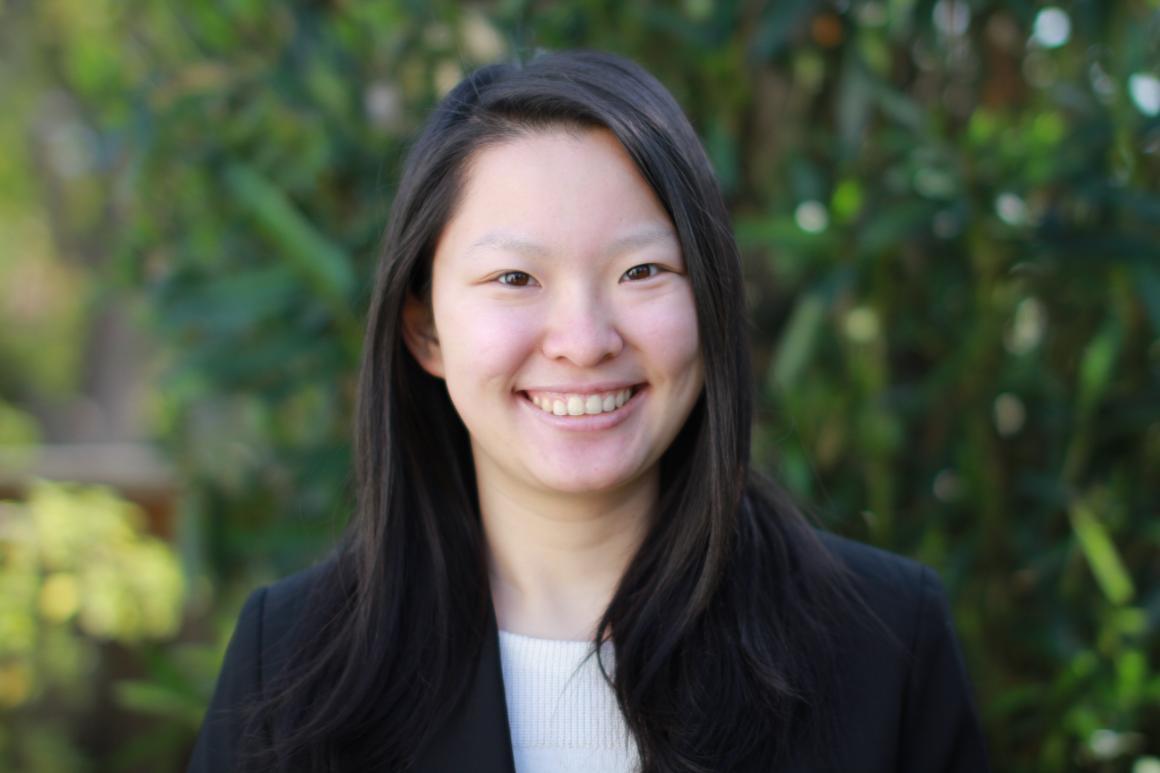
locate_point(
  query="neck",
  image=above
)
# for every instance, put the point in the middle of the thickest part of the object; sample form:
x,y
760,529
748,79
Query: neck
x,y
555,560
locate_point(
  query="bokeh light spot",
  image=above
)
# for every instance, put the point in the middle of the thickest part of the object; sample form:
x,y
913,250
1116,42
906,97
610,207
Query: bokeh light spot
x,y
947,486
1010,414
952,17
862,324
1052,28
1147,765
811,216
1145,91
1011,209
1027,328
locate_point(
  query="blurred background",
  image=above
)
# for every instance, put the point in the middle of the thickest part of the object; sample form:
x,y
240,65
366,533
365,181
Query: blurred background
x,y
949,213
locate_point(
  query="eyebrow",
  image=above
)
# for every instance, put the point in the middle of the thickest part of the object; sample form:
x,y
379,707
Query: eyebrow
x,y
531,249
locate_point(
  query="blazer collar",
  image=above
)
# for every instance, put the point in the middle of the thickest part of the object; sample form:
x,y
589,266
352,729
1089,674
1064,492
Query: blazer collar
x,y
477,737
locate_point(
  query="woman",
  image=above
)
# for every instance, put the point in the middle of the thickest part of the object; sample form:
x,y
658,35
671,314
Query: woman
x,y
553,461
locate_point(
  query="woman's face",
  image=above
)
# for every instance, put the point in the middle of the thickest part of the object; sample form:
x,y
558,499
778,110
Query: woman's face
x,y
561,317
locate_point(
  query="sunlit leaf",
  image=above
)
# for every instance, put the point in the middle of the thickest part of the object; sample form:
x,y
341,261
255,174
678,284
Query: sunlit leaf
x,y
320,261
1101,553
798,341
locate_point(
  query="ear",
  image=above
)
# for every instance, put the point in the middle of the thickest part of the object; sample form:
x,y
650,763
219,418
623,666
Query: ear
x,y
420,337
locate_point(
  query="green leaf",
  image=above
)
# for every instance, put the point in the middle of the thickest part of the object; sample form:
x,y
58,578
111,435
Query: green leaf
x,y
1101,554
1131,674
1095,368
323,263
231,303
149,698
798,342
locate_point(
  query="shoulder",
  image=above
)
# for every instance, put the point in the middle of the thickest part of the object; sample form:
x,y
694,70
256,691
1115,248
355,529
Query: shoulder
x,y
281,608
286,599
902,670
834,570
902,602
886,579
871,562
261,642
895,588
273,621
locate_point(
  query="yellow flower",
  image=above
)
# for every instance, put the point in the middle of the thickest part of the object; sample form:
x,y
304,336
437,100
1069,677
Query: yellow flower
x,y
59,597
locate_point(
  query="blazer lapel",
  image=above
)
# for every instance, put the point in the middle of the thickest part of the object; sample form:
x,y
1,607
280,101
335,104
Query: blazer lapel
x,y
477,737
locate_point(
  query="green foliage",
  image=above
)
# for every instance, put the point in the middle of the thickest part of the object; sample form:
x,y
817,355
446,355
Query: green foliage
x,y
949,217
76,571
16,427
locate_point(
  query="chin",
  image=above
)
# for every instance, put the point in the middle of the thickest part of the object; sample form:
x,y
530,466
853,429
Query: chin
x,y
592,483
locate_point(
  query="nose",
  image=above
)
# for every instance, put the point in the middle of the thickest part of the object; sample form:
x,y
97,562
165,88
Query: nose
x,y
582,329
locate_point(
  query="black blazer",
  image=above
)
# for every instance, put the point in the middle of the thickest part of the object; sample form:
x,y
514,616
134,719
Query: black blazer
x,y
903,708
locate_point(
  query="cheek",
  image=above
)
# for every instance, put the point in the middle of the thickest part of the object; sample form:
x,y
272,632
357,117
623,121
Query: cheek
x,y
667,331
482,344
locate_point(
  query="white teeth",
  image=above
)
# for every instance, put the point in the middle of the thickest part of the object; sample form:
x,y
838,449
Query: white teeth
x,y
582,405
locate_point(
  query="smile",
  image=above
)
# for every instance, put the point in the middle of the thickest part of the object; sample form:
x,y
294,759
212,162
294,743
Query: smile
x,y
574,404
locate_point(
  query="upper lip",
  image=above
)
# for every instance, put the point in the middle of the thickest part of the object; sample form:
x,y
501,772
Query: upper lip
x,y
585,389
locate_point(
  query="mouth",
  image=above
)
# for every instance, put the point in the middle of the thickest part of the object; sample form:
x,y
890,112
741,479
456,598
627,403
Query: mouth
x,y
576,404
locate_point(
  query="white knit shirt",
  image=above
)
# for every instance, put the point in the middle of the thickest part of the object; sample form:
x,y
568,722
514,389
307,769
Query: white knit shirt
x,y
563,715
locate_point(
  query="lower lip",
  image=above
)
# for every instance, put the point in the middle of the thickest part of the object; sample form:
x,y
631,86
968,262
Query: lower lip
x,y
586,423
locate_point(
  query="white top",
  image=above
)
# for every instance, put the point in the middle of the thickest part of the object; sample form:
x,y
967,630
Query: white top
x,y
563,715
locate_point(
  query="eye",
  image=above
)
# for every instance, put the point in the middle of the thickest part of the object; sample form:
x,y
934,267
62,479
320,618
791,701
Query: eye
x,y
515,279
643,271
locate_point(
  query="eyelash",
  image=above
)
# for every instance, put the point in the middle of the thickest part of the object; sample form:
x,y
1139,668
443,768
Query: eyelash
x,y
504,278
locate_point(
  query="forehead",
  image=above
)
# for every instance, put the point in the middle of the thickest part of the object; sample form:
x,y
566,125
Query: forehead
x,y
573,189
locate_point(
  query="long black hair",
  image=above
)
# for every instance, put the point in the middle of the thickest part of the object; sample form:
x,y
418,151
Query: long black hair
x,y
721,622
